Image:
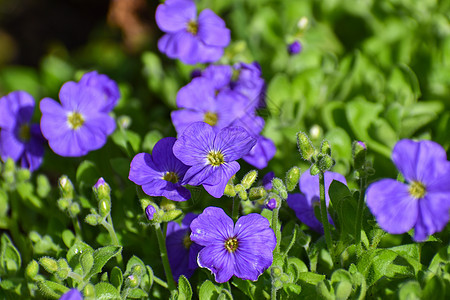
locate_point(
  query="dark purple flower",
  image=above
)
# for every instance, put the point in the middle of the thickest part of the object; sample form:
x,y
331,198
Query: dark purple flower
x,y
272,204
188,38
212,156
424,201
150,212
160,174
72,294
19,139
303,204
77,125
294,48
200,102
267,180
106,86
243,250
182,252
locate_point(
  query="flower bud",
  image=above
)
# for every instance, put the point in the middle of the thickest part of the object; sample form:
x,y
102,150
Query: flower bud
x,y
276,271
294,48
302,24
101,189
49,264
292,178
92,219
150,212
66,187
285,278
43,186
104,277
315,132
89,291
104,207
305,146
272,204
64,203
229,190
124,121
249,179
132,281
167,204
74,209
359,150
325,162
314,170
257,193
267,180
32,269
241,191
23,175
325,147
137,270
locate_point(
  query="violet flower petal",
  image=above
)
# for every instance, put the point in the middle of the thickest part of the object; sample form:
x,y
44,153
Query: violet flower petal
x,y
212,30
233,143
173,15
204,234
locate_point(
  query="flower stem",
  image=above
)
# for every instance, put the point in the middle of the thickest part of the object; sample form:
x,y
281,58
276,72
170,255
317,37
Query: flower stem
x,y
324,215
275,227
359,211
160,282
164,257
112,233
77,227
235,209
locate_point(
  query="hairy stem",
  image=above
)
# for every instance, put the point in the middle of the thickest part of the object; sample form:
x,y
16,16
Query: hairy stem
x,y
164,257
324,215
359,211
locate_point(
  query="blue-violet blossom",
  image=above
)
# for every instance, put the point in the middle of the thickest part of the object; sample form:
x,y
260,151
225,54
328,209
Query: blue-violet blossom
x,y
243,250
72,294
303,204
190,38
181,251
423,203
77,125
105,85
161,173
212,156
19,139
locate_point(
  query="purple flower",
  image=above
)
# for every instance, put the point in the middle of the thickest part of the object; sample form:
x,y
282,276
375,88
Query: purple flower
x,y
272,204
188,38
150,212
424,201
212,156
294,48
72,294
200,102
243,250
77,125
267,180
19,139
105,85
160,174
182,252
303,204
250,83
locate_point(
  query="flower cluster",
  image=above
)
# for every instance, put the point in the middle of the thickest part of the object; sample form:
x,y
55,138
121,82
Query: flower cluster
x,y
423,202
80,122
19,138
225,96
190,38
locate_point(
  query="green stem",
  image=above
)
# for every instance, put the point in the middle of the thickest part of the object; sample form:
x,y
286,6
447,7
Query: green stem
x,y
77,227
112,233
275,227
273,295
164,257
324,215
235,209
359,211
160,282
13,226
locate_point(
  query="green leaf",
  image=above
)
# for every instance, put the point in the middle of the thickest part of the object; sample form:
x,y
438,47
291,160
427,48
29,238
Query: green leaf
x,y
410,290
344,205
75,251
246,286
434,289
442,257
10,260
52,289
278,91
137,293
106,291
150,139
87,175
68,238
116,277
134,260
86,261
296,266
101,257
121,166
184,288
127,140
208,290
418,115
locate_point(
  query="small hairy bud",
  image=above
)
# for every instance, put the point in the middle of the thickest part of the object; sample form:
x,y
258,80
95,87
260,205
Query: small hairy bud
x,y
292,178
305,146
66,187
32,269
359,150
249,179
92,219
49,264
101,189
104,207
257,193
229,190
325,147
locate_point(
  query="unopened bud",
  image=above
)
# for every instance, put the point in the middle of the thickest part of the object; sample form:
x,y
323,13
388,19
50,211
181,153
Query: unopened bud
x,y
92,219
279,185
43,186
294,48
229,190
101,189
276,271
89,291
305,146
168,205
124,121
137,270
314,170
132,281
325,162
49,264
74,209
359,150
32,269
23,175
150,212
104,207
292,178
249,179
272,204
64,203
257,193
104,277
66,187
302,24
325,147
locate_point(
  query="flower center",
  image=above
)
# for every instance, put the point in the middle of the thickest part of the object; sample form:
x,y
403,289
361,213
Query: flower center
x,y
171,176
417,189
75,120
24,132
231,244
187,241
215,158
192,27
210,118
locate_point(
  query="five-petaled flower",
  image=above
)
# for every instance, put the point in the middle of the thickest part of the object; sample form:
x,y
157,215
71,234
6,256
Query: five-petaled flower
x,y
77,125
212,157
104,85
160,174
188,38
424,201
19,139
244,249
303,204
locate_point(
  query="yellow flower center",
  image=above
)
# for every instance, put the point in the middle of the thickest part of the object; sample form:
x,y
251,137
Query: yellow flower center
x,y
231,244
75,120
215,158
417,189
24,132
187,241
171,176
210,118
192,27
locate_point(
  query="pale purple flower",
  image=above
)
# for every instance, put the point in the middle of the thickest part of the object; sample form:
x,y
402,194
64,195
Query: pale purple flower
x,y
181,251
77,125
212,156
72,294
161,173
423,202
19,139
190,38
150,212
244,249
106,86
303,204
294,48
250,83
